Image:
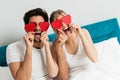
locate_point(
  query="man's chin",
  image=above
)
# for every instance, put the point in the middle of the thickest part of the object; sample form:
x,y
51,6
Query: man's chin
x,y
37,40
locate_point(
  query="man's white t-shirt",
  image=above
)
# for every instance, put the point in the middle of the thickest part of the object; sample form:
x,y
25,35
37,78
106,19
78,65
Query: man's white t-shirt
x,y
16,53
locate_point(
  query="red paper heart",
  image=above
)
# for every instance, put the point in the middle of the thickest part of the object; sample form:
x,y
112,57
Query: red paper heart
x,y
57,24
44,26
30,27
66,19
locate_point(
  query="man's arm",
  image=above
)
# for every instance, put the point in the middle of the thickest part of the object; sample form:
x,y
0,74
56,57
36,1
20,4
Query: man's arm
x,y
22,70
51,63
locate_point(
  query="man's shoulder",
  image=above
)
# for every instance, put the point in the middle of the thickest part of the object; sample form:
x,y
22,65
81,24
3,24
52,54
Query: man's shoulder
x,y
17,44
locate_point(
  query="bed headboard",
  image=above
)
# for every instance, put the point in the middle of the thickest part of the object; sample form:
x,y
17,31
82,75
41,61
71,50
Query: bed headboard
x,y
99,31
104,30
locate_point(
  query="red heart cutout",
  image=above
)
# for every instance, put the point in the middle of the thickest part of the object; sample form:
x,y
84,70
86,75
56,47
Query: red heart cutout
x,y
66,19
30,27
44,26
56,24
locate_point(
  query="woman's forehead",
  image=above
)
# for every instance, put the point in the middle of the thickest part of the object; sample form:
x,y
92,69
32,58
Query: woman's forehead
x,y
60,16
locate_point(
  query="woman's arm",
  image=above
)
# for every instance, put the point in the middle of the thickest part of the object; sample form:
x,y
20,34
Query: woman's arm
x,y
61,60
88,45
58,51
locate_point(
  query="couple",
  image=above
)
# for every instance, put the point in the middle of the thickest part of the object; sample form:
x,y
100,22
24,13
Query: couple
x,y
34,58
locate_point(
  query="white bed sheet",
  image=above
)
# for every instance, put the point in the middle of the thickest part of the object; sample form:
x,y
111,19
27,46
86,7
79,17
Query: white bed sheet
x,y
108,65
107,68
5,74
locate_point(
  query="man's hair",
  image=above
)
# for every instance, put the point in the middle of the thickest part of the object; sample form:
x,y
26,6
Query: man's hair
x,y
35,12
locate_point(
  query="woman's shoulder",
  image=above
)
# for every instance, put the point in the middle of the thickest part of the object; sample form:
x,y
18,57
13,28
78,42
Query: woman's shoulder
x,y
85,30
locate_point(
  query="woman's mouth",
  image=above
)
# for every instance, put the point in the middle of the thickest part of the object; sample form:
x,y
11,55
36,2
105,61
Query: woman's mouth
x,y
66,29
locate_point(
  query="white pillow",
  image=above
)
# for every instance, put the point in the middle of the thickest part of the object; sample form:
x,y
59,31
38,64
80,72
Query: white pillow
x,y
111,44
109,55
5,74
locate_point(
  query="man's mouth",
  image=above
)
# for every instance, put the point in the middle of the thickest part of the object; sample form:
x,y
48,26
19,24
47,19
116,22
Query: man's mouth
x,y
37,36
38,32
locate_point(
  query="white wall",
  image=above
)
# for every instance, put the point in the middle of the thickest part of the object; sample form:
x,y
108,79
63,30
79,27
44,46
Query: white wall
x,y
82,11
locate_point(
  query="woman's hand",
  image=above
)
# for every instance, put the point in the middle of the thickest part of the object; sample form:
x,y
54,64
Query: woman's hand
x,y
75,29
61,38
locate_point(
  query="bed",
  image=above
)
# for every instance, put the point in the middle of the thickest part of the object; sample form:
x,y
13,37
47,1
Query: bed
x,y
106,37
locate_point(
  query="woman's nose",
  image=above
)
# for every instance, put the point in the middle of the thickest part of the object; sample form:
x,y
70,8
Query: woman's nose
x,y
64,25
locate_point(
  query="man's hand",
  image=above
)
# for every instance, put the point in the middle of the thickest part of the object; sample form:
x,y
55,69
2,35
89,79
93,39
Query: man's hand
x,y
44,38
29,39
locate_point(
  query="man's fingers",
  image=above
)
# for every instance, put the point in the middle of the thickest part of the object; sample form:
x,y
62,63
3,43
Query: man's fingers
x,y
31,33
44,32
44,36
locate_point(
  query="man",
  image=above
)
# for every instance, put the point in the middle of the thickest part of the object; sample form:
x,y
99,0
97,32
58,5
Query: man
x,y
31,58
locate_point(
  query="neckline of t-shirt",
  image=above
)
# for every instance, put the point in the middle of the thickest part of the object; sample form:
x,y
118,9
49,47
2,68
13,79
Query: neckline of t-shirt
x,y
33,47
77,49
37,49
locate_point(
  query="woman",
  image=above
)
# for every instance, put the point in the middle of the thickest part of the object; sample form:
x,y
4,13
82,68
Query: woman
x,y
72,47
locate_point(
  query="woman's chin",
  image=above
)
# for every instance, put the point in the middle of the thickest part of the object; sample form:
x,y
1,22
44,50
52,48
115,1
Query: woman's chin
x,y
68,33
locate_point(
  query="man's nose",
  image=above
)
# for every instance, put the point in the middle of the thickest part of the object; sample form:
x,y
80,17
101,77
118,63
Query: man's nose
x,y
37,27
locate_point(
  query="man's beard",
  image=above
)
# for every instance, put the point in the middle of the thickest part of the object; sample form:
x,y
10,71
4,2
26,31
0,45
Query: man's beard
x,y
37,40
